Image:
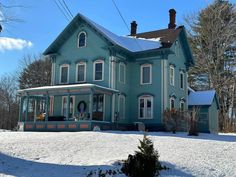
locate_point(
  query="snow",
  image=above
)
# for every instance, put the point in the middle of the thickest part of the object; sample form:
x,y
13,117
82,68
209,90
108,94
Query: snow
x,y
59,154
201,97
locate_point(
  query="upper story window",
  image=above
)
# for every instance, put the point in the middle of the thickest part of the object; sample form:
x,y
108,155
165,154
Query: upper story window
x,y
122,73
98,70
172,103
181,80
82,39
146,74
146,107
81,72
122,107
64,74
172,75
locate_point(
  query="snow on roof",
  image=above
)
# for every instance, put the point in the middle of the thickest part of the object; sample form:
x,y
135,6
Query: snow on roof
x,y
66,87
129,43
201,97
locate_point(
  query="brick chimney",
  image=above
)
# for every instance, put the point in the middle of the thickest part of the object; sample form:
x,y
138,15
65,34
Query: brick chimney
x,y
172,14
133,31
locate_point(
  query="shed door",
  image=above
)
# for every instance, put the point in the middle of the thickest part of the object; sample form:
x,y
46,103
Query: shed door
x,y
203,123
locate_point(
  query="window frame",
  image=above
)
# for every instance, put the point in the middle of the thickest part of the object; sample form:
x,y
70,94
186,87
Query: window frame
x,y
181,83
172,99
172,78
85,39
94,67
141,74
180,107
68,73
124,103
85,71
73,112
145,98
124,65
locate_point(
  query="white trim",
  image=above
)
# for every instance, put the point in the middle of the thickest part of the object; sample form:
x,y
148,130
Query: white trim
x,y
145,98
85,43
85,71
94,64
181,73
119,106
53,74
104,107
122,64
141,74
172,78
68,71
170,102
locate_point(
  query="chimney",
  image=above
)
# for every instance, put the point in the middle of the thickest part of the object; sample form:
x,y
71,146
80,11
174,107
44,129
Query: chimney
x,y
172,14
133,31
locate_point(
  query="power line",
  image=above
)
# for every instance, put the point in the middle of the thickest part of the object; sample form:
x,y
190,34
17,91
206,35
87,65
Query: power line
x,y
64,9
61,10
68,9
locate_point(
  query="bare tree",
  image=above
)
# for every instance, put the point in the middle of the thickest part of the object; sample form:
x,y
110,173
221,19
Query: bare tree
x,y
212,32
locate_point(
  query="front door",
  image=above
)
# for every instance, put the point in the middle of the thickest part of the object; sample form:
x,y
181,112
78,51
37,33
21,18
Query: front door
x,y
98,107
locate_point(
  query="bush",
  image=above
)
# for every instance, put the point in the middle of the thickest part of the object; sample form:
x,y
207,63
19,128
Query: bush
x,y
145,163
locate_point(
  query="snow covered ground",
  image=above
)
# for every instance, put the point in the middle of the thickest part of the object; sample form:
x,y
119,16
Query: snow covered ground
x,y
75,154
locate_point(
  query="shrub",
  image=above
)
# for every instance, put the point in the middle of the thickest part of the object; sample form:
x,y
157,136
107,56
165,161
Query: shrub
x,y
145,163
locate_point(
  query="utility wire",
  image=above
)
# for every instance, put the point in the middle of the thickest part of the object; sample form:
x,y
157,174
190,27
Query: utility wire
x,y
61,10
125,23
64,9
68,9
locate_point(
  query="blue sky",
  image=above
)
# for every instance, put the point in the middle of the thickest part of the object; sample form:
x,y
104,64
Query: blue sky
x,y
43,21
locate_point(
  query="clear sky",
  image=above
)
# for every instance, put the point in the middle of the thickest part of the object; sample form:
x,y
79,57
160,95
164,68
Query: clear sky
x,y
43,21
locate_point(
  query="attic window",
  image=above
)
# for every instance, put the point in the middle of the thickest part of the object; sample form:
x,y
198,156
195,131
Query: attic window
x,y
82,39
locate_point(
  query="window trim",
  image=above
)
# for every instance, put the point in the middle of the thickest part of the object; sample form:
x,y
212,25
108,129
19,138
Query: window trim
x,y
85,42
170,103
85,71
94,64
73,113
141,74
173,79
122,64
181,73
145,97
122,97
68,72
181,102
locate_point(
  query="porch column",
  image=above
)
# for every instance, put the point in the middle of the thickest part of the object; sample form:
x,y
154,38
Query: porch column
x,y
91,106
20,109
27,107
35,109
68,107
46,107
113,108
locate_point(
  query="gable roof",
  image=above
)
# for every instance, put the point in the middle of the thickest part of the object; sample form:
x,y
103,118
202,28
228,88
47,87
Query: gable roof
x,y
202,98
129,43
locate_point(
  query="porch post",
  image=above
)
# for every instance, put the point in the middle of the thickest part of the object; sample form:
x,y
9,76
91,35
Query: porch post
x,y
113,108
27,107
68,107
91,106
46,107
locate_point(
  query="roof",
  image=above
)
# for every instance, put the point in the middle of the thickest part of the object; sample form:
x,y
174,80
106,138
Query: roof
x,y
66,87
201,98
129,43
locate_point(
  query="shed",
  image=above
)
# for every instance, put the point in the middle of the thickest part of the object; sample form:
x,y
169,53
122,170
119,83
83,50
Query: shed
x,y
208,109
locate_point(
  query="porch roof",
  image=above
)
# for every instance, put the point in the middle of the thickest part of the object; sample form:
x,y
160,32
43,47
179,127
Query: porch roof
x,y
66,88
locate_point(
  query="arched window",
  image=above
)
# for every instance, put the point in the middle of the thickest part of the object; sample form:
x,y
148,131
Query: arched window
x,y
146,107
82,39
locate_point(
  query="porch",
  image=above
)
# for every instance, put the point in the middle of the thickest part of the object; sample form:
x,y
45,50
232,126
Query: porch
x,y
66,108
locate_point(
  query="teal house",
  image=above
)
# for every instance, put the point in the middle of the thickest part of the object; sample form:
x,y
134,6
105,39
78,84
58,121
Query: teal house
x,y
102,80
207,106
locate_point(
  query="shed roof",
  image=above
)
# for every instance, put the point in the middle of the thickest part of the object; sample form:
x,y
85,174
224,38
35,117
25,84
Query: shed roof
x,y
200,98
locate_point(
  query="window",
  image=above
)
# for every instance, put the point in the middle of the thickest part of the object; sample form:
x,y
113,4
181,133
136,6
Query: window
x,y
81,72
122,106
146,74
82,39
122,72
172,103
181,105
146,107
64,106
181,80
64,74
172,75
98,69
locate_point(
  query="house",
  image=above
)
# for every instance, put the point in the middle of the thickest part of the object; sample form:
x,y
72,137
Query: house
x,y
100,79
207,106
